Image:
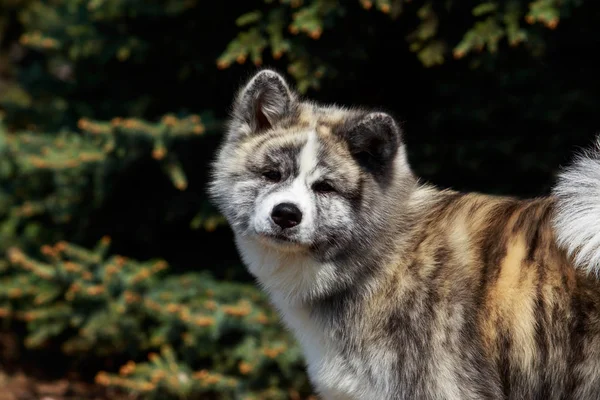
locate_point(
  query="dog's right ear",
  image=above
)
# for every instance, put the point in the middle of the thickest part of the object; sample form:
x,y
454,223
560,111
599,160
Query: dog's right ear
x,y
262,102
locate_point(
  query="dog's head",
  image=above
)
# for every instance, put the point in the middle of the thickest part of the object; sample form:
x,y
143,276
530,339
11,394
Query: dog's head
x,y
295,176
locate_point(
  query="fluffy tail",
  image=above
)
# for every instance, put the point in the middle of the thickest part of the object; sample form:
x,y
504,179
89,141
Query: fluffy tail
x,y
577,217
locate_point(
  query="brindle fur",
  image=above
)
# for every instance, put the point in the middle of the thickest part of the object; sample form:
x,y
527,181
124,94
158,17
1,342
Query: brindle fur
x,y
437,294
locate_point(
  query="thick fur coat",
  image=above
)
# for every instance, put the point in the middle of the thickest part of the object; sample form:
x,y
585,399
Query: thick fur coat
x,y
396,289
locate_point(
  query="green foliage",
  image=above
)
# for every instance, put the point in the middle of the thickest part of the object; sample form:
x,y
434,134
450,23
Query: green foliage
x,y
67,49
493,22
53,180
213,337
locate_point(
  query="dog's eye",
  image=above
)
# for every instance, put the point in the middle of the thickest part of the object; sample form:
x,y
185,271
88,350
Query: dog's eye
x,y
273,175
323,187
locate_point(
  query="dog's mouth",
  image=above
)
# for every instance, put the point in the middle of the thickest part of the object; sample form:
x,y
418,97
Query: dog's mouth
x,y
278,237
280,241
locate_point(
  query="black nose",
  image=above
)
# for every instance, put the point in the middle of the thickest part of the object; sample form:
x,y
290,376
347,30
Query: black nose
x,y
286,215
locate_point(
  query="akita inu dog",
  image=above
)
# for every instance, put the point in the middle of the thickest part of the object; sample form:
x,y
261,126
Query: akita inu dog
x,y
396,289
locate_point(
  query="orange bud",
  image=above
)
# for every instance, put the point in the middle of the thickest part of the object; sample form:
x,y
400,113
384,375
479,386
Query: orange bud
x,y
210,225
127,369
272,352
102,378
210,305
37,162
245,368
262,318
15,256
146,386
95,290
29,316
158,375
204,321
159,153
552,24
458,54
173,308
181,185
143,274
46,250
316,34
160,265
222,64
200,374
71,266
185,315
131,297
169,120
47,43
212,379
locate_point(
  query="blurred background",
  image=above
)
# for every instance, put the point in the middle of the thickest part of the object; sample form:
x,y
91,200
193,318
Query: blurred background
x,y
119,280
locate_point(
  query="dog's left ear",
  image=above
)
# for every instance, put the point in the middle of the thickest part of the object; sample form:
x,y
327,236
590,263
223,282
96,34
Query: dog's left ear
x,y
373,140
262,102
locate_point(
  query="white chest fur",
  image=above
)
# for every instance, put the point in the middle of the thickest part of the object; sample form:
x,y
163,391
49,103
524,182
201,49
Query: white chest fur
x,y
289,278
326,367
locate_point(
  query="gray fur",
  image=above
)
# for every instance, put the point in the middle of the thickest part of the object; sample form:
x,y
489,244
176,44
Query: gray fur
x,y
394,289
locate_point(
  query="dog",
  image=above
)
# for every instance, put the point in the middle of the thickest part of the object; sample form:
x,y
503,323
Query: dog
x,y
396,289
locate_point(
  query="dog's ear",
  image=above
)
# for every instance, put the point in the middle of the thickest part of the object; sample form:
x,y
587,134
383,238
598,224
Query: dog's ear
x,y
373,140
263,101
